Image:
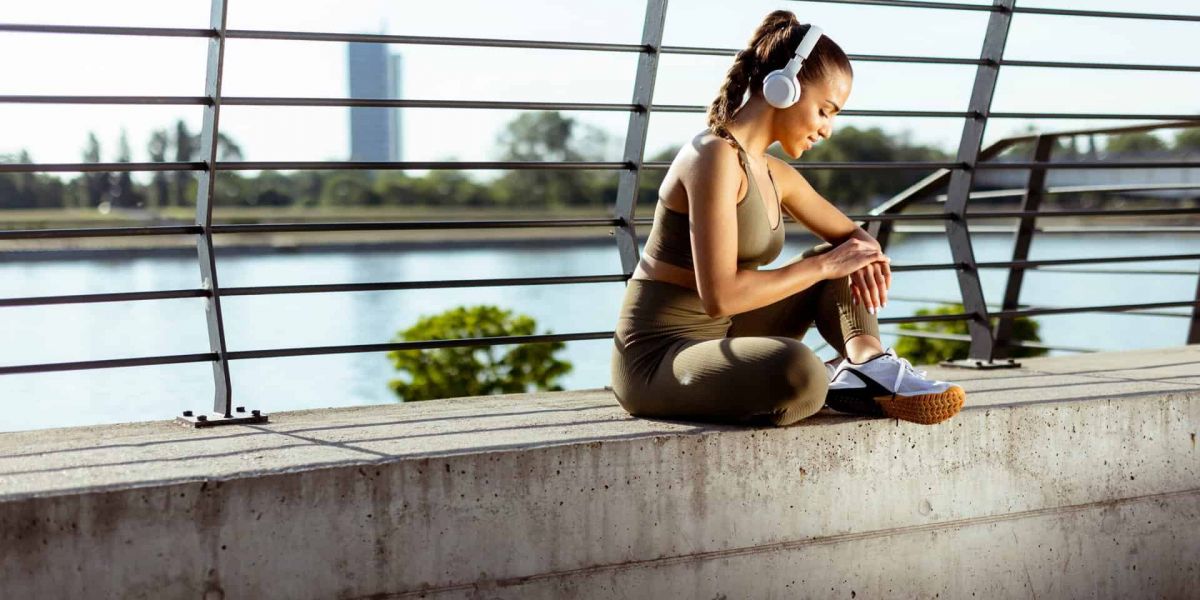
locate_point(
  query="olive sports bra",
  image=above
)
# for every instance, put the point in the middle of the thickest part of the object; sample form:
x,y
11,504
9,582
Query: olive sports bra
x,y
758,243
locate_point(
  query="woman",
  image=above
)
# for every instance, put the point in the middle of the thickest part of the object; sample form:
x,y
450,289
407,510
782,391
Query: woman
x,y
703,335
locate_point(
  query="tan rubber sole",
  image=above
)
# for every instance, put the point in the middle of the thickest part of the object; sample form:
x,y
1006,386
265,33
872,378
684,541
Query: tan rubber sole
x,y
925,409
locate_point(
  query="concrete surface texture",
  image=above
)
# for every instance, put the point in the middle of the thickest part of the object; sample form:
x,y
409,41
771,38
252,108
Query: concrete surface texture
x,y
1071,477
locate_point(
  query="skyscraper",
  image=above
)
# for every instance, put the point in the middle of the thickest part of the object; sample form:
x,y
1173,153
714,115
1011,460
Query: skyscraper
x,y
376,134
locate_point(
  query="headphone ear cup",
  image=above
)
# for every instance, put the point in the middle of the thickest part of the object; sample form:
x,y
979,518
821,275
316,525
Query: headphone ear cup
x,y
780,90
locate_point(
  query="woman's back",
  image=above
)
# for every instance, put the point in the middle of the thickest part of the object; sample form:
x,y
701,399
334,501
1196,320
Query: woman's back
x,y
667,255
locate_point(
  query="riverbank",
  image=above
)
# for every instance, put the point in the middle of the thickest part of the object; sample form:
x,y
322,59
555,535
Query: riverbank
x,y
358,241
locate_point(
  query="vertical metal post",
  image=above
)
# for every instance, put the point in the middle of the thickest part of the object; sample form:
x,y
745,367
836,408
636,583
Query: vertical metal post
x,y
223,396
635,136
1194,329
881,231
961,182
1034,190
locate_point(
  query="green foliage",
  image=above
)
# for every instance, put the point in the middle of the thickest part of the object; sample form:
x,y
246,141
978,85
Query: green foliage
x,y
1134,143
475,370
546,136
854,191
551,137
1188,140
930,351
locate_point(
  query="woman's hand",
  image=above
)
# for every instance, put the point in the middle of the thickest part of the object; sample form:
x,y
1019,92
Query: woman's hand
x,y
867,266
870,284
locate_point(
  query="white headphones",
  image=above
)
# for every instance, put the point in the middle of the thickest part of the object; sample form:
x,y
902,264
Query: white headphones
x,y
780,88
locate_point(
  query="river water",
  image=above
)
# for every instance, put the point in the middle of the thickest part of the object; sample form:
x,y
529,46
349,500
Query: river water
x,y
100,331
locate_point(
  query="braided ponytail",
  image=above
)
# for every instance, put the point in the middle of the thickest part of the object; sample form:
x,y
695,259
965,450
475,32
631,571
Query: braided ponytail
x,y
737,81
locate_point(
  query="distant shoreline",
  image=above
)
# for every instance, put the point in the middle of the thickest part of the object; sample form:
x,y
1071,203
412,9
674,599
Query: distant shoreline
x,y
170,246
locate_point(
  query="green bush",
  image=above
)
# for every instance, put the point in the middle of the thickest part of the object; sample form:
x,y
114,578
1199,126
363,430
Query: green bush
x,y
474,370
926,351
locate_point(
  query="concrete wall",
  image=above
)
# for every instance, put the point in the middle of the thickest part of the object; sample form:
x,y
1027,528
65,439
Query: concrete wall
x,y
1080,497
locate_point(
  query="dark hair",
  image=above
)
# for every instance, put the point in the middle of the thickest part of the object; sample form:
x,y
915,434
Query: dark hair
x,y
771,47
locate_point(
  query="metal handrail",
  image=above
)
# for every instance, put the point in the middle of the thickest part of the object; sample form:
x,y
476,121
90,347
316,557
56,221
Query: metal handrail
x,y
955,175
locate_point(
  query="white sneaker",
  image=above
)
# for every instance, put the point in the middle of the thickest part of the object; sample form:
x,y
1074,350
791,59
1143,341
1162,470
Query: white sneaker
x,y
889,385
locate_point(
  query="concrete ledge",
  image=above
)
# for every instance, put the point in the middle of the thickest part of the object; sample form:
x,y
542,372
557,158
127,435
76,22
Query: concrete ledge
x,y
1072,477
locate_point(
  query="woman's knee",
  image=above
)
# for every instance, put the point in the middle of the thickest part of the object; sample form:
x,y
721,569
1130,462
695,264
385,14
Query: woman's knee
x,y
803,387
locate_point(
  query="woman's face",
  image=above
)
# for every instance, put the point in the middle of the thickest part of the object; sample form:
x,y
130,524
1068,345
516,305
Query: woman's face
x,y
810,119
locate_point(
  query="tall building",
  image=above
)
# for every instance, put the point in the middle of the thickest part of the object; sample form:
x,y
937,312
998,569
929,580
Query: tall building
x,y
376,134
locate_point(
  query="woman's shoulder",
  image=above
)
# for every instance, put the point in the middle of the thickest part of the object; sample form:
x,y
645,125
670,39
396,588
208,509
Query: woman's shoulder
x,y
709,150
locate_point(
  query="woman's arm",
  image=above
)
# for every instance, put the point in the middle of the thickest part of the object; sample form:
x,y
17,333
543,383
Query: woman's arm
x,y
820,216
712,189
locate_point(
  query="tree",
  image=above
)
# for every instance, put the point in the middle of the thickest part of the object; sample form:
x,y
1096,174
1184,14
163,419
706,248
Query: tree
x,y
1188,140
853,190
549,136
95,183
185,147
1134,143
474,370
349,188
121,186
160,140
925,351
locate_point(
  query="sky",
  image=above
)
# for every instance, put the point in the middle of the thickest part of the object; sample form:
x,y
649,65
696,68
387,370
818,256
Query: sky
x,y
114,65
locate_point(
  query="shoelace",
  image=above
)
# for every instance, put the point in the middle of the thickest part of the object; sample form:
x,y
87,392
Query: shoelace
x,y
905,366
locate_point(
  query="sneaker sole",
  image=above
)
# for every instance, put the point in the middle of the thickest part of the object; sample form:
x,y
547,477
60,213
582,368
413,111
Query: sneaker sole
x,y
925,409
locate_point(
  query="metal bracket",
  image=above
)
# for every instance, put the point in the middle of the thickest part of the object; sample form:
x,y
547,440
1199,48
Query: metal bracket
x,y
240,417
971,363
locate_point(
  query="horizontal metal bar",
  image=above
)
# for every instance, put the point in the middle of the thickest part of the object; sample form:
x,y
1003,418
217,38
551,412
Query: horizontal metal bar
x,y
111,167
113,363
429,165
853,166
1094,65
423,345
696,108
927,318
1032,312
1188,123
956,337
122,167
910,4
107,297
1123,272
887,58
1033,264
306,351
452,104
1139,312
901,217
1098,116
410,225
924,267
379,38
419,285
105,30
46,234
1101,13
1132,212
162,100
232,228
1115,164
1079,189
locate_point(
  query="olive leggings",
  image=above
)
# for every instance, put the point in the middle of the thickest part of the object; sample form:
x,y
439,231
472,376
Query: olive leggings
x,y
671,360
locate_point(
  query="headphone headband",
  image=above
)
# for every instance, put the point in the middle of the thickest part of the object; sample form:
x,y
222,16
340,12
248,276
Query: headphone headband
x,y
807,43
780,87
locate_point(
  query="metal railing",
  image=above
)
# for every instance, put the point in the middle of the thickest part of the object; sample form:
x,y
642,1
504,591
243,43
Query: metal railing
x,y
956,176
